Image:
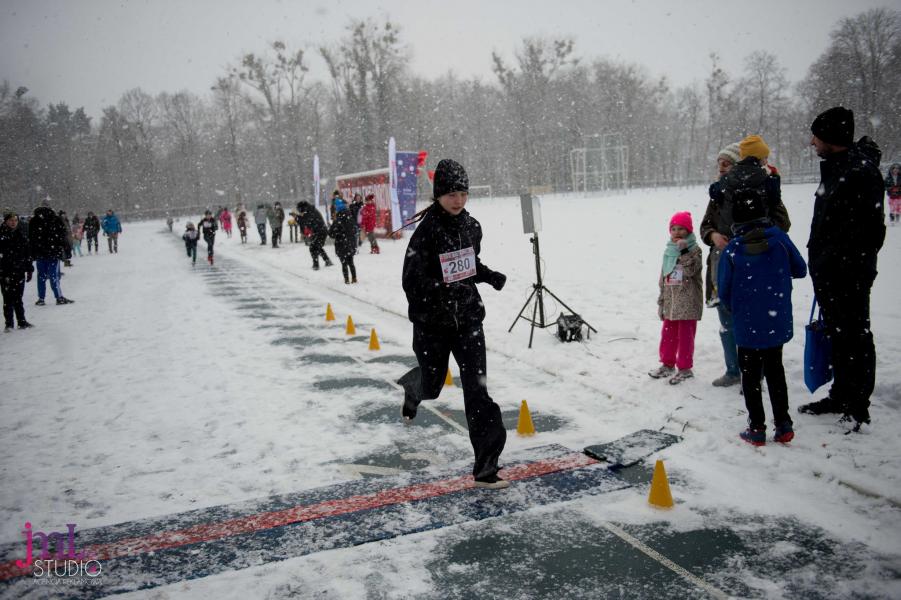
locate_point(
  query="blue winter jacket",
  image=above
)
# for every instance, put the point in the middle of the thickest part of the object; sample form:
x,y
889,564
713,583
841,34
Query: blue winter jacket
x,y
755,281
111,224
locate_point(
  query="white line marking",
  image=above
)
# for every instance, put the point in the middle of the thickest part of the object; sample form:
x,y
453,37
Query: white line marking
x,y
642,547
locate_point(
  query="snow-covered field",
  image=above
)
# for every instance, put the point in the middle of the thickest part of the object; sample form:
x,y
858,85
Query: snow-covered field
x,y
153,394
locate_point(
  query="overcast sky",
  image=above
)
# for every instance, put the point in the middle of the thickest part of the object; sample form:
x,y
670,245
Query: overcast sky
x,y
88,52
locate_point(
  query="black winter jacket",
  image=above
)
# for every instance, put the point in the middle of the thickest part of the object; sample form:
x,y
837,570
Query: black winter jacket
x,y
47,236
344,232
848,226
432,302
208,228
718,217
91,226
310,217
15,259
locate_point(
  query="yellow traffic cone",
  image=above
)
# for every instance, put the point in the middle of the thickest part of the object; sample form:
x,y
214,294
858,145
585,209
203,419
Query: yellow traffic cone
x,y
449,380
351,330
660,495
525,425
329,315
374,341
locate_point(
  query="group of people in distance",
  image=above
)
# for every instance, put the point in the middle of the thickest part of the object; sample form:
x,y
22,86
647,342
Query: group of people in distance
x,y
45,240
349,224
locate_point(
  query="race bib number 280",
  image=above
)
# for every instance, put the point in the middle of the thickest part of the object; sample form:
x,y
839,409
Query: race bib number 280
x,y
457,265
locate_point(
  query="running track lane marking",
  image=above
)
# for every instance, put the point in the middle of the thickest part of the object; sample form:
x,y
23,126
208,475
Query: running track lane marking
x,y
215,531
277,302
680,571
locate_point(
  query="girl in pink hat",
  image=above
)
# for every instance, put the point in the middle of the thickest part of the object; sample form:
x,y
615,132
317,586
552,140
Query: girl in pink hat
x,y
680,302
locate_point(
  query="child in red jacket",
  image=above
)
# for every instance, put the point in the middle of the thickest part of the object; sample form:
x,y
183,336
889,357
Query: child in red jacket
x,y
367,222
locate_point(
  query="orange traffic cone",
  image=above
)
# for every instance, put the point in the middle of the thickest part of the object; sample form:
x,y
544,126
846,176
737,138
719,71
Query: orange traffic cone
x,y
525,425
351,330
329,315
660,495
449,380
374,341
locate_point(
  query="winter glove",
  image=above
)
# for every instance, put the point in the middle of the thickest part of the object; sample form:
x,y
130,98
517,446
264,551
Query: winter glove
x,y
497,280
28,276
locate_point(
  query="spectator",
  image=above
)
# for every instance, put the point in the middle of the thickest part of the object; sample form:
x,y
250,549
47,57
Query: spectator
x,y
91,230
755,283
367,222
846,234
716,231
259,216
311,219
111,229
16,269
47,245
276,217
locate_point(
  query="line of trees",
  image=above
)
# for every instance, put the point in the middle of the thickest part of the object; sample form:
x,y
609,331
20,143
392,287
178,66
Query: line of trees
x,y
253,137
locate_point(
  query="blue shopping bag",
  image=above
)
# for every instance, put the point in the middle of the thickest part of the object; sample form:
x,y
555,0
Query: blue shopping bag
x,y
817,352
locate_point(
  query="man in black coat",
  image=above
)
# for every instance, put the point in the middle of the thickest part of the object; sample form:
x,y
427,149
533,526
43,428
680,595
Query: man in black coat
x,y
441,269
48,244
846,234
15,269
311,218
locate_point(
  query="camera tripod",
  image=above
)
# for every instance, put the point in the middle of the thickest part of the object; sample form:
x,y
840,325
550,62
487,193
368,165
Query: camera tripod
x,y
538,291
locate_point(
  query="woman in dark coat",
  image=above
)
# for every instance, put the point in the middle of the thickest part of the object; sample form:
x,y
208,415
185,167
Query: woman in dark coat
x,y
344,231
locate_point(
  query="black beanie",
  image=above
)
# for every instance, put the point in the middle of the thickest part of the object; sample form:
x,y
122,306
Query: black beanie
x,y
450,176
747,209
835,126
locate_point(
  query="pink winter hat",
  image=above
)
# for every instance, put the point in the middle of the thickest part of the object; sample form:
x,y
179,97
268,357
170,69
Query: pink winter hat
x,y
682,219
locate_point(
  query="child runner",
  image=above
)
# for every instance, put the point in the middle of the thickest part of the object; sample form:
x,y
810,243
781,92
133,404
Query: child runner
x,y
191,237
754,281
208,227
225,218
242,225
680,302
441,269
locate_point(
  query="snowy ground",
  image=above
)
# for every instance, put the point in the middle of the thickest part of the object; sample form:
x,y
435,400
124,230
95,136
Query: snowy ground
x,y
166,388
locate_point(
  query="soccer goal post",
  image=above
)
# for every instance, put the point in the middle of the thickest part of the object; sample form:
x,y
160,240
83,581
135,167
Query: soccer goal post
x,y
601,167
480,191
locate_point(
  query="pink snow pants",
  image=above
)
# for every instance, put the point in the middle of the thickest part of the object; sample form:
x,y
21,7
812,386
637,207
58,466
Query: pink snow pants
x,y
677,343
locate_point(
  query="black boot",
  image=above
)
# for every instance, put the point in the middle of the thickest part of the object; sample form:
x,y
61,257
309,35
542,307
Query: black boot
x,y
412,384
822,407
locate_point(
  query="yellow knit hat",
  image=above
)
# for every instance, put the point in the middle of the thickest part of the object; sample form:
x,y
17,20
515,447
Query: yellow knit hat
x,y
753,145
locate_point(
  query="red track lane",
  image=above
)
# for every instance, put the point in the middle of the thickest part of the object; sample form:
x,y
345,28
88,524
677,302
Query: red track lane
x,y
214,531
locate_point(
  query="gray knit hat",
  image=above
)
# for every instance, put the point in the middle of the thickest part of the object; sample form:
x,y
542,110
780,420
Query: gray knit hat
x,y
732,153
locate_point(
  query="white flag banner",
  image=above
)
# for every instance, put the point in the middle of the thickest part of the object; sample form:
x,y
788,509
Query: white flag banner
x,y
396,221
316,181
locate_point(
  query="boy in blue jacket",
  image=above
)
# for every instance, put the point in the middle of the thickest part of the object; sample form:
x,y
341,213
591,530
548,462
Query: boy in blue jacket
x,y
754,281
